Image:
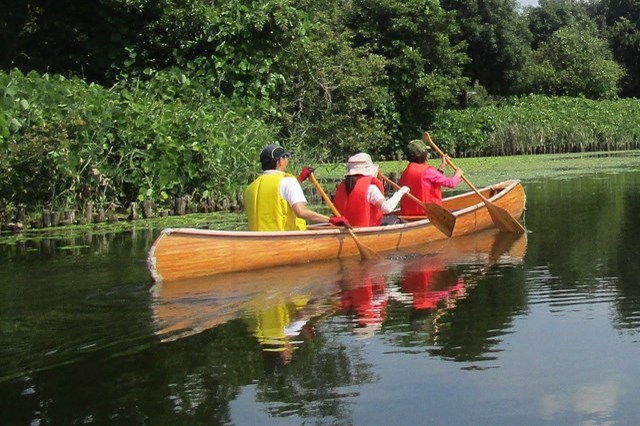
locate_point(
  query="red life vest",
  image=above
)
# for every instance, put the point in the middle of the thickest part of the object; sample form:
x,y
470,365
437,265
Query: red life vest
x,y
355,207
412,177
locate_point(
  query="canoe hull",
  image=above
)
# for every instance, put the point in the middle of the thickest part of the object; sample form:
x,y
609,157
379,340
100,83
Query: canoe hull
x,y
184,253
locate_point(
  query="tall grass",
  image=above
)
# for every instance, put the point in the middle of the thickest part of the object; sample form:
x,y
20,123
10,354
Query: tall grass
x,y
539,124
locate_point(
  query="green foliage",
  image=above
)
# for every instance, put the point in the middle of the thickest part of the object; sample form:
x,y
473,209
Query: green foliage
x,y
618,21
196,88
338,102
425,66
67,142
70,37
49,145
531,124
572,62
552,15
497,38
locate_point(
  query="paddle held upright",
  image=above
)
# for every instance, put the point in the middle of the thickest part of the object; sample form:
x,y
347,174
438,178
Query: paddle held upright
x,y
501,217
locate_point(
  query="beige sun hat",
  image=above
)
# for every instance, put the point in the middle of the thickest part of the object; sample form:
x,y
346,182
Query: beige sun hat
x,y
361,164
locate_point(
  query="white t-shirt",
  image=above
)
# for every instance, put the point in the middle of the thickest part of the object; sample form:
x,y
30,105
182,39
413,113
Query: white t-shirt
x,y
290,189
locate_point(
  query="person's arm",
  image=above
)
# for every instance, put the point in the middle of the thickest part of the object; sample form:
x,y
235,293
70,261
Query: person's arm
x,y
291,191
379,201
433,176
302,211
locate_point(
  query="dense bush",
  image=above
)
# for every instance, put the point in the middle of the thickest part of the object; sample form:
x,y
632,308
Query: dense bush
x,y
66,142
166,99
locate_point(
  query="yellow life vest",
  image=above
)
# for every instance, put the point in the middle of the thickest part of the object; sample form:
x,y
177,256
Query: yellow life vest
x,y
266,209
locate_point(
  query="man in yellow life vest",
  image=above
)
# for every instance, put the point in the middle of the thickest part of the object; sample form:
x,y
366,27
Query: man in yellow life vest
x,y
274,201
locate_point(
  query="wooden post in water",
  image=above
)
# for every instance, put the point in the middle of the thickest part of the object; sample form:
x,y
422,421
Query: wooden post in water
x,y
88,212
55,218
147,209
101,216
133,211
179,206
111,214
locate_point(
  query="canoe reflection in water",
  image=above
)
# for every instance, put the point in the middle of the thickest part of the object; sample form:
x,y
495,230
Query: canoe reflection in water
x,y
281,306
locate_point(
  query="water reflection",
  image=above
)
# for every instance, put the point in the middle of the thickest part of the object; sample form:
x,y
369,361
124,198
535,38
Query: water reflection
x,y
297,331
519,339
363,295
592,254
431,281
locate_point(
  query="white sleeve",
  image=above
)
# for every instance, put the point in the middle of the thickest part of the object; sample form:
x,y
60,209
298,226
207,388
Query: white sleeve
x,y
291,191
374,195
389,205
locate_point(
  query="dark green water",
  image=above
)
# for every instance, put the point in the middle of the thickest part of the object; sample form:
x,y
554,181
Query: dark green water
x,y
487,331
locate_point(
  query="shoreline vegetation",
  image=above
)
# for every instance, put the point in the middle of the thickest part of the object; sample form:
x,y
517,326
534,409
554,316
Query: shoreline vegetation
x,y
78,153
481,171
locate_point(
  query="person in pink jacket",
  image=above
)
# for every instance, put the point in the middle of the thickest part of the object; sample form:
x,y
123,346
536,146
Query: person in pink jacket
x,y
424,180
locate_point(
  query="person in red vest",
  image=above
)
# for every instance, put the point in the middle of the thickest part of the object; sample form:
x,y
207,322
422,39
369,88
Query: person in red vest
x,y
360,197
424,180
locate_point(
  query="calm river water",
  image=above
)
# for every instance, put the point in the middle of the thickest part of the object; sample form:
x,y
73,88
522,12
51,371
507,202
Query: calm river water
x,y
486,329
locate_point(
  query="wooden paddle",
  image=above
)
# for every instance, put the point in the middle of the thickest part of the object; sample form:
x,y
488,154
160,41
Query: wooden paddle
x,y
440,217
501,218
365,252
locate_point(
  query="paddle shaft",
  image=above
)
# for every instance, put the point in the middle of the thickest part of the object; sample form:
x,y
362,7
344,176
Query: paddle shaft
x,y
501,217
365,252
427,138
440,217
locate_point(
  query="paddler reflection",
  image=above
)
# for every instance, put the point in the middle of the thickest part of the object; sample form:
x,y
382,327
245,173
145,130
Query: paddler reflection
x,y
281,328
429,281
364,295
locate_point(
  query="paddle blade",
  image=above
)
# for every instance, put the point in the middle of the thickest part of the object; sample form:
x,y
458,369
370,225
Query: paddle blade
x,y
503,219
365,252
441,218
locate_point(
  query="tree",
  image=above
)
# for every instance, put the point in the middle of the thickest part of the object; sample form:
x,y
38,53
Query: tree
x,y
72,38
551,15
625,39
497,39
425,64
619,21
335,98
572,62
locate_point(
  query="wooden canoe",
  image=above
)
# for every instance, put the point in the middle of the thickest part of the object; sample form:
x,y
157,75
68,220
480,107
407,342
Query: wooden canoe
x,y
184,252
